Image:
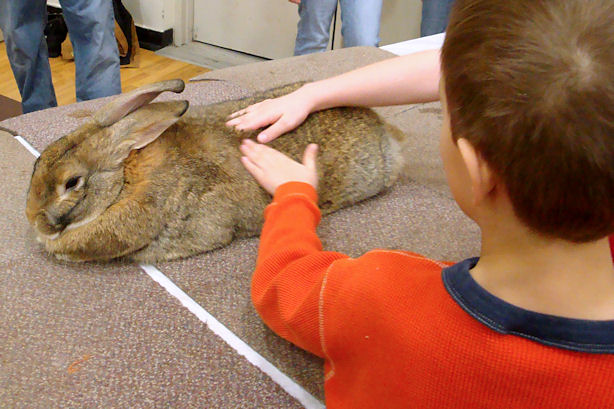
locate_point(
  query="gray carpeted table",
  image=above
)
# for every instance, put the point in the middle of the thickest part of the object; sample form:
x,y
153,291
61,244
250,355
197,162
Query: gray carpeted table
x,y
107,335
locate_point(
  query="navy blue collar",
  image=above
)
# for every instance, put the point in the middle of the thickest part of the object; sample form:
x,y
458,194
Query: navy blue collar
x,y
505,318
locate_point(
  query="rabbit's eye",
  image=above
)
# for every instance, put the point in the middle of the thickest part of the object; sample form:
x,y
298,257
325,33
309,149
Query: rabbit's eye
x,y
73,183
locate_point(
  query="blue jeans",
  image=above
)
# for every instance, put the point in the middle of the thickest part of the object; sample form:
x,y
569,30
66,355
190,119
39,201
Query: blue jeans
x,y
435,15
360,21
91,27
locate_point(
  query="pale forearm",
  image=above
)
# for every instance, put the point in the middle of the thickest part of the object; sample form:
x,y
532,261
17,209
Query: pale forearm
x,y
407,79
410,79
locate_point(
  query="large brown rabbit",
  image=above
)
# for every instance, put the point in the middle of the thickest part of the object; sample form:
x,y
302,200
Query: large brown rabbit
x,y
156,181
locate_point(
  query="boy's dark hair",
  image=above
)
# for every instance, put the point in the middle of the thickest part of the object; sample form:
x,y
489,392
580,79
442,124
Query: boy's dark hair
x,y
530,83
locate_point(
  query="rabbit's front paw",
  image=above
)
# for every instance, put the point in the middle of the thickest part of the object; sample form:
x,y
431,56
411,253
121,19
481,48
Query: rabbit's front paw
x,y
69,257
59,252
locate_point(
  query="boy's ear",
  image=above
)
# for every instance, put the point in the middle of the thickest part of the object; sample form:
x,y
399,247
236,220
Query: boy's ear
x,y
482,178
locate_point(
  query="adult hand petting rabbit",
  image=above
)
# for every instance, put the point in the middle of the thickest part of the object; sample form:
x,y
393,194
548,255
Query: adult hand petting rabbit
x,y
283,114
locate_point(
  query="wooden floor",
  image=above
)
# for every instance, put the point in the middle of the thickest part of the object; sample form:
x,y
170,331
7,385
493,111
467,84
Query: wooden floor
x,y
152,68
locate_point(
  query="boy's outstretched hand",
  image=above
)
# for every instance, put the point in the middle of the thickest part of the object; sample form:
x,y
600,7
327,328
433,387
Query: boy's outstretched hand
x,y
272,168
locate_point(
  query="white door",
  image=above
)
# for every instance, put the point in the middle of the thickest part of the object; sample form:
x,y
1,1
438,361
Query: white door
x,y
266,28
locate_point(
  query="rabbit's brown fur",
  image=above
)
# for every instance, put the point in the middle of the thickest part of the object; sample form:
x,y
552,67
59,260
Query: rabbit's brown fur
x,y
153,182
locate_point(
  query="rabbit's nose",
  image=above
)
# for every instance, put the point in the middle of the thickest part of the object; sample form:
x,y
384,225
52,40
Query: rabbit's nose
x,y
51,219
43,229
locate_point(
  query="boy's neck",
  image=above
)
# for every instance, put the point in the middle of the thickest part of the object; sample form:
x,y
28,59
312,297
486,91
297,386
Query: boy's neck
x,y
548,276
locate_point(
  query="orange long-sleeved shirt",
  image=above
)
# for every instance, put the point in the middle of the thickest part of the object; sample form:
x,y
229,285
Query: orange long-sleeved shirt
x,y
397,330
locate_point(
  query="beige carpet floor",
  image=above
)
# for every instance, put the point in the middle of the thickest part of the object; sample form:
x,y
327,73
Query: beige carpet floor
x,y
108,335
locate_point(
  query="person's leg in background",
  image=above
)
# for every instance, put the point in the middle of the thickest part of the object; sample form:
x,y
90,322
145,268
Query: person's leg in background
x,y
435,15
360,21
313,29
91,27
23,23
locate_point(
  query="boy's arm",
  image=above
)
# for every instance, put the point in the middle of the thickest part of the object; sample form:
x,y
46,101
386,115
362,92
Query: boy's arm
x,y
291,265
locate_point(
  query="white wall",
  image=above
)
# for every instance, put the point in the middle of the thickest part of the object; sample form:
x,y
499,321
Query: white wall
x,y
400,20
157,15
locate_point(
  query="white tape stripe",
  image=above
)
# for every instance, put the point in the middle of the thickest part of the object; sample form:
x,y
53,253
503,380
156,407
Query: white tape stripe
x,y
287,384
304,397
28,146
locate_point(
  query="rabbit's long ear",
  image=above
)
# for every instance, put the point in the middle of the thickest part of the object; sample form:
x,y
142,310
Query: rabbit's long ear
x,y
142,127
130,101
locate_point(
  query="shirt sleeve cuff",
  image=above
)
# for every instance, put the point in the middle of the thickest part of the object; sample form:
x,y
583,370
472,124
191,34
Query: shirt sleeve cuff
x,y
296,188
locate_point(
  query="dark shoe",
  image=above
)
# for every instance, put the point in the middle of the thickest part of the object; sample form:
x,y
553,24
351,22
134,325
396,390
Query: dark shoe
x,y
55,33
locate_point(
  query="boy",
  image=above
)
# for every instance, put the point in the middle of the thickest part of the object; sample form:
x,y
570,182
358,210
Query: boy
x,y
527,89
